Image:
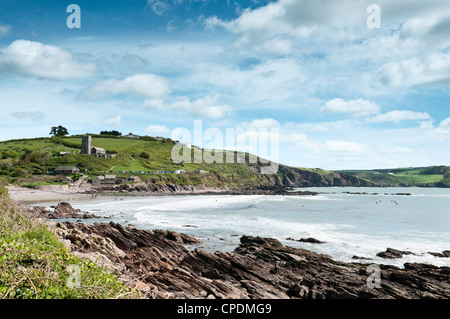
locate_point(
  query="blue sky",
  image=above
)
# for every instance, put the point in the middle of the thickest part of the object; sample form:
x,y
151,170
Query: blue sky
x,y
342,95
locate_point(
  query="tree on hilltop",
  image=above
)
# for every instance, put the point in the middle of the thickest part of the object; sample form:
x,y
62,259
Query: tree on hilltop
x,y
59,131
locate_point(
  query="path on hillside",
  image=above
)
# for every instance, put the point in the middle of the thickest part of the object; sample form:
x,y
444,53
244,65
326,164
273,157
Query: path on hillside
x,y
132,159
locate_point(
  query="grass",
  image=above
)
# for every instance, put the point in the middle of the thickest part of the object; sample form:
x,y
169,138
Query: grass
x,y
413,176
419,179
34,264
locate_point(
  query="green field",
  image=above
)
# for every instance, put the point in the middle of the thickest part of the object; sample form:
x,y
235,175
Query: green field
x,y
413,176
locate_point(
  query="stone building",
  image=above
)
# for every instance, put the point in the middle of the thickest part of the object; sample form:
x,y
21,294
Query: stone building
x,y
86,145
88,149
67,170
104,181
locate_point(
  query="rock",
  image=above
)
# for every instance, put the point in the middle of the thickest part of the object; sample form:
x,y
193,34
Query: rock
x,y
360,258
160,266
444,254
176,237
307,240
311,240
62,210
392,253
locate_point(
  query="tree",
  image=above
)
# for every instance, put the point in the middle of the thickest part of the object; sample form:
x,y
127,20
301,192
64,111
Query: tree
x,y
114,133
58,131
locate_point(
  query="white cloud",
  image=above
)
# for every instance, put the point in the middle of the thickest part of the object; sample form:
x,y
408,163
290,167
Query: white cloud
x,y
45,61
272,80
261,123
398,116
204,107
345,147
156,129
148,86
445,124
158,7
208,107
359,107
409,72
112,121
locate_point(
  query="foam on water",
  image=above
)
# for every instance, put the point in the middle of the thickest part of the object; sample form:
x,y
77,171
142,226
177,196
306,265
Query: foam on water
x,y
350,224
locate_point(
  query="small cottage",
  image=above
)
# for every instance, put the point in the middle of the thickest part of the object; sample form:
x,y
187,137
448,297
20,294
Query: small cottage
x,y
66,170
104,181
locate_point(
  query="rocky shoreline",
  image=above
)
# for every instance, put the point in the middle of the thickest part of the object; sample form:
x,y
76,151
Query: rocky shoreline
x,y
143,189
158,264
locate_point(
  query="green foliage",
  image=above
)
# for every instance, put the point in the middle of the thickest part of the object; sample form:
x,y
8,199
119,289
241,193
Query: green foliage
x,y
58,131
113,133
145,155
34,264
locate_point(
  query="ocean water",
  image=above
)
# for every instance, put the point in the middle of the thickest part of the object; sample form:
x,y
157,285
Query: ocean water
x,y
350,224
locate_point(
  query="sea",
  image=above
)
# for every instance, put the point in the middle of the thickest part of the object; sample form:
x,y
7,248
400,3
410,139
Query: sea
x,y
350,221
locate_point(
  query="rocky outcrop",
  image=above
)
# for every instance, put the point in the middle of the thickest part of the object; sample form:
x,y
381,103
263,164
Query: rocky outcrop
x,y
62,211
392,253
444,254
307,240
158,264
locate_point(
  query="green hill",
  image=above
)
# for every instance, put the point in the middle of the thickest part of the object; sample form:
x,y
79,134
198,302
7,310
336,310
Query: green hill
x,y
29,161
433,176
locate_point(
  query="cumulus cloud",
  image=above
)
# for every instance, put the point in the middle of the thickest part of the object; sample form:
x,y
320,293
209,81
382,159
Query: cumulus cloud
x,y
261,123
359,107
156,129
398,116
44,61
208,106
409,72
445,123
141,85
112,121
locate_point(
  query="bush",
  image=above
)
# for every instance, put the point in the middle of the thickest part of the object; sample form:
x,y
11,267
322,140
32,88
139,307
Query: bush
x,y
145,155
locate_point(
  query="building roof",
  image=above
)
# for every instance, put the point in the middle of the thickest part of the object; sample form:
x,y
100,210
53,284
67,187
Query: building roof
x,y
99,149
67,168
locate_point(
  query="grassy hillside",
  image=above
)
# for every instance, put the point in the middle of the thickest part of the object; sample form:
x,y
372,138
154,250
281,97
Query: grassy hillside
x,y
28,161
434,176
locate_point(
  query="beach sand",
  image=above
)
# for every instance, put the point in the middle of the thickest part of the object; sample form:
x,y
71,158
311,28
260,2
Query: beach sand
x,y
48,194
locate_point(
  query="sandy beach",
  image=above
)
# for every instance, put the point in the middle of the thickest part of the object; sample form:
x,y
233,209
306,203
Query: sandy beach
x,y
47,194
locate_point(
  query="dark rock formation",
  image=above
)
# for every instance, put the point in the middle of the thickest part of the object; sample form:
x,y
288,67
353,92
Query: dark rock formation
x,y
176,237
162,267
444,254
392,253
307,240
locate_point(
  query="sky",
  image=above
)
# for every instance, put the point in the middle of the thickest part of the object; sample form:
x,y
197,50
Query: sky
x,y
340,84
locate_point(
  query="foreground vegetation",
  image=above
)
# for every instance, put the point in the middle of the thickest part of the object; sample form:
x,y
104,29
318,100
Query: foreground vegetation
x,y
34,263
